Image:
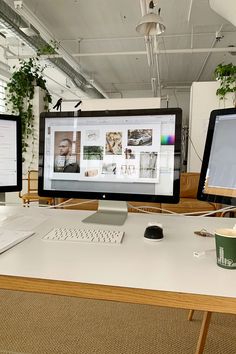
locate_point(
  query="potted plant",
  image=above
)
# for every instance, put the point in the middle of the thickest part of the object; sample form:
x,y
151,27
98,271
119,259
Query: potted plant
x,y
226,75
20,92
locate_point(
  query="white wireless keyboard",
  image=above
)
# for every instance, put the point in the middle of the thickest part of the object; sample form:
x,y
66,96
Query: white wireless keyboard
x,y
84,235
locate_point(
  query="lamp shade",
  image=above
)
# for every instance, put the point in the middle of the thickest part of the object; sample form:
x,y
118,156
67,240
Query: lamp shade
x,y
151,24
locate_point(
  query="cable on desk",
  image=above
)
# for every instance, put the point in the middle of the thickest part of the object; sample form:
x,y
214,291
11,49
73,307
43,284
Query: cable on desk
x,y
58,205
219,210
202,213
140,208
152,207
227,211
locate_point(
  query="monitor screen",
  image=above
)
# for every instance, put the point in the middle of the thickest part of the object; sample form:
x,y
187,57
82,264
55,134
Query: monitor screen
x,y
115,155
218,174
10,153
122,155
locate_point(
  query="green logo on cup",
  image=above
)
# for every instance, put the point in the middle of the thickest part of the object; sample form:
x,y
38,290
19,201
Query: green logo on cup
x,y
221,260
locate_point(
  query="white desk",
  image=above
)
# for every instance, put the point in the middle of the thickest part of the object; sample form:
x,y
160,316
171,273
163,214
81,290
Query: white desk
x,y
137,271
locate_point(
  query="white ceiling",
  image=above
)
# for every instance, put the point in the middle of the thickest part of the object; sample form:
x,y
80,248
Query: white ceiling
x,y
90,27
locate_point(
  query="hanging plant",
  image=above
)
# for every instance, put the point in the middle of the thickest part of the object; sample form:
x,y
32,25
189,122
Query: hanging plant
x,y
20,92
226,75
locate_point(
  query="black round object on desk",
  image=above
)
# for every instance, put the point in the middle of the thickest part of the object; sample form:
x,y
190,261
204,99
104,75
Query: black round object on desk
x,y
153,233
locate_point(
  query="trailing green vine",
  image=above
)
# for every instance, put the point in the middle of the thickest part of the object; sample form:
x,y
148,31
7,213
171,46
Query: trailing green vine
x,y
20,92
226,75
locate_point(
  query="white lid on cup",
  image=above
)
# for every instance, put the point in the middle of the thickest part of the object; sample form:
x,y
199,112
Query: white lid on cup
x,y
226,232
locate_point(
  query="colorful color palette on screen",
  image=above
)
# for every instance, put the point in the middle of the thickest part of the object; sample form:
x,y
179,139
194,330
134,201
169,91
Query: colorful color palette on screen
x,y
167,140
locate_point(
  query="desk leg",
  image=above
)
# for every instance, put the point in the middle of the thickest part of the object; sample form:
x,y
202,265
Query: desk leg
x,y
203,332
190,315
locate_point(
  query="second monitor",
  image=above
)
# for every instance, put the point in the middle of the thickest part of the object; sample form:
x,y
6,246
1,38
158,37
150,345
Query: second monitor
x,y
218,174
128,155
10,153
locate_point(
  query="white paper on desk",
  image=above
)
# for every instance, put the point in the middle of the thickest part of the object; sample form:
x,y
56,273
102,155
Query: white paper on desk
x,y
10,238
23,222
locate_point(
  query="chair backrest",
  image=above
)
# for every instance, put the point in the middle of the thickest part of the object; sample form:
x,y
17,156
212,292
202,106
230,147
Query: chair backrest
x,y
189,184
33,181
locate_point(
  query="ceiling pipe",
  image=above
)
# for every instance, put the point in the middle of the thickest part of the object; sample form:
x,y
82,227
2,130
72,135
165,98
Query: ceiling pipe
x,y
157,65
79,78
143,6
197,50
158,51
14,21
190,10
176,35
192,37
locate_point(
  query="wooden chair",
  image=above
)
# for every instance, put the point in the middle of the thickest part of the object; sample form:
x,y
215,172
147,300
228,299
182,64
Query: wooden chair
x,y
32,193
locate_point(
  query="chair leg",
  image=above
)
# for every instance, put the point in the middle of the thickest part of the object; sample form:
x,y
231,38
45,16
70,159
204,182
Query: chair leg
x,y
203,332
190,315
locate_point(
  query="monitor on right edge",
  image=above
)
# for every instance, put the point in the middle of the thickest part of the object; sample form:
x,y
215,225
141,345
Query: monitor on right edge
x,y
218,174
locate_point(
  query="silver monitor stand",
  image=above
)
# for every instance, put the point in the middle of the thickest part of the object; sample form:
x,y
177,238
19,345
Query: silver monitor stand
x,y
109,212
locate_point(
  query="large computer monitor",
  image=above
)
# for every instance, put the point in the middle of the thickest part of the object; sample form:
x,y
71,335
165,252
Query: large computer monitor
x,y
10,153
218,174
124,155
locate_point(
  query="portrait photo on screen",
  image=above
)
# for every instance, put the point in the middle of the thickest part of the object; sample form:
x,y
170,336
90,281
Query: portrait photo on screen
x,y
67,152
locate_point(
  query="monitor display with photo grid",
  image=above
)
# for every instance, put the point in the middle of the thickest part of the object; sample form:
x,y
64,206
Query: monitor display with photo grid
x,y
131,155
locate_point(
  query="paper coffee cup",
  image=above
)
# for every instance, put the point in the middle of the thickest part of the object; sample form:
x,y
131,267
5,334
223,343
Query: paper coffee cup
x,y
226,248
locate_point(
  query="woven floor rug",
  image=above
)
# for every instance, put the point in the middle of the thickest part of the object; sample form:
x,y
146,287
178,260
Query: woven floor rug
x,y
48,324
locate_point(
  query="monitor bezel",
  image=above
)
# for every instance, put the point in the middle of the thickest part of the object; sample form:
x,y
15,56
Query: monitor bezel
x,y
205,161
114,196
18,186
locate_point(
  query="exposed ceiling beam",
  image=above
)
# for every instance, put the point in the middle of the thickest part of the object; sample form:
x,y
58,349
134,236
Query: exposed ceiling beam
x,y
160,51
69,64
174,35
29,16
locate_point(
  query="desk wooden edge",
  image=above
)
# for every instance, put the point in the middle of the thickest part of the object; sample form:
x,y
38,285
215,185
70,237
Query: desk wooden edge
x,y
120,294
